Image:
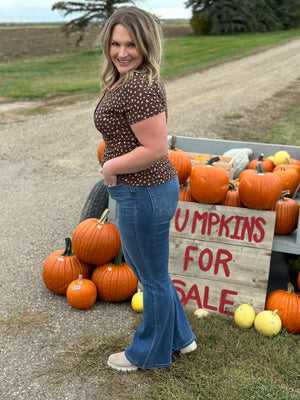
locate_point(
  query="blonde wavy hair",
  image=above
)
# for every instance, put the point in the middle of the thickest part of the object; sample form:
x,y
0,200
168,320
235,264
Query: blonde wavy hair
x,y
146,34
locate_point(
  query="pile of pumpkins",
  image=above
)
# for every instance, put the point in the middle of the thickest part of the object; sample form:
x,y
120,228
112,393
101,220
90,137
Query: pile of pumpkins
x,y
91,267
282,309
265,184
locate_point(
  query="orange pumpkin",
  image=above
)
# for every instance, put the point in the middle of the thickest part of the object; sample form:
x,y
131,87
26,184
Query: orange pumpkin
x,y
261,190
82,293
209,183
96,241
287,302
287,214
62,267
181,162
185,193
245,172
267,164
115,281
289,177
100,151
288,166
232,198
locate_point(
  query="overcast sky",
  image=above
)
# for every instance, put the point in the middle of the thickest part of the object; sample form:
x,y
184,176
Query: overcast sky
x,y
40,10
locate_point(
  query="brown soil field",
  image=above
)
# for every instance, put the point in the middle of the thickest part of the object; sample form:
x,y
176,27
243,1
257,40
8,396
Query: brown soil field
x,y
21,42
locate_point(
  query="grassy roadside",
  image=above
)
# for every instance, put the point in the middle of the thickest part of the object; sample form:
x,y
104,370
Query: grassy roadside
x,y
78,71
229,364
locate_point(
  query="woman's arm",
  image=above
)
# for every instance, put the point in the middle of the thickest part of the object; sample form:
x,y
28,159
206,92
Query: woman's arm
x,y
152,135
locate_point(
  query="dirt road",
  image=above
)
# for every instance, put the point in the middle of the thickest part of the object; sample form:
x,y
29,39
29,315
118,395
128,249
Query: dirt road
x,y
48,166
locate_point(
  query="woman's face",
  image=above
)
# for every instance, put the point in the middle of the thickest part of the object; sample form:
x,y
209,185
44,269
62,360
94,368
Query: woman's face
x,y
124,55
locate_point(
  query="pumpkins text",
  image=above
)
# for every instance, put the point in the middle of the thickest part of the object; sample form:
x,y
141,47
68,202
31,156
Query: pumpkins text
x,y
234,227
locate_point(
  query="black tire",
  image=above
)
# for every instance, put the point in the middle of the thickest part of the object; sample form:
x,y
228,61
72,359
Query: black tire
x,y
96,202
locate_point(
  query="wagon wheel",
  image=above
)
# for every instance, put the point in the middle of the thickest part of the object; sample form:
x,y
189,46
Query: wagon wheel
x,y
96,202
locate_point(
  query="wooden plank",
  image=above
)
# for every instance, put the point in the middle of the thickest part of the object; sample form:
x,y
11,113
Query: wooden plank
x,y
220,256
215,296
209,260
229,225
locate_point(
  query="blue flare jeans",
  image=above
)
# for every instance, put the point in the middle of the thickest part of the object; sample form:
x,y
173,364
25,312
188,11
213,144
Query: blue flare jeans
x,y
144,216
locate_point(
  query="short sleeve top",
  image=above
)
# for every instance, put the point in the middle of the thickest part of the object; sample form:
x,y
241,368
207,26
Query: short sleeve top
x,y
128,103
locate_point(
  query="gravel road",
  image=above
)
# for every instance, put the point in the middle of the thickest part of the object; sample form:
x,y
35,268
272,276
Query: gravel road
x,y
49,165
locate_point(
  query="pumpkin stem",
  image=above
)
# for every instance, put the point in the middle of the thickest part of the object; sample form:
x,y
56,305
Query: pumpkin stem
x,y
283,194
290,288
118,261
173,143
212,160
232,187
275,312
103,217
261,157
260,168
68,248
80,280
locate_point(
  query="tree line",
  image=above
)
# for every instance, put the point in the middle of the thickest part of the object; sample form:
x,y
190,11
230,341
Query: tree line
x,y
208,16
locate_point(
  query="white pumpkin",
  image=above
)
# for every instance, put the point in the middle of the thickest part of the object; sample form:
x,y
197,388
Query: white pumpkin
x,y
241,159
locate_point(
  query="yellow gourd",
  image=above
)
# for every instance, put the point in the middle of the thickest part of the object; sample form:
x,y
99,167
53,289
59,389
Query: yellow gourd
x,y
281,157
244,316
268,323
137,301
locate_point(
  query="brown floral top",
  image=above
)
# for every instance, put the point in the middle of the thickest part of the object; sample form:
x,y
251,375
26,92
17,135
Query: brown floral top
x,y
123,106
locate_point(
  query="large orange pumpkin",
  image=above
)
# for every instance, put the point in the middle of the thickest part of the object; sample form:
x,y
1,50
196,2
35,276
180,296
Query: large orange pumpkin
x,y
290,178
287,302
260,191
287,214
209,183
181,161
267,164
115,281
62,267
96,241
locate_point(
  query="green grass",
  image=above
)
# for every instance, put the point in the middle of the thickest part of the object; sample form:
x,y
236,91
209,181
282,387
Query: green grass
x,y
229,364
79,71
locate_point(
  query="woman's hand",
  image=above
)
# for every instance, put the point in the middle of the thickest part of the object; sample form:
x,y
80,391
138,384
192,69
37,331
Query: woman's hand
x,y
109,177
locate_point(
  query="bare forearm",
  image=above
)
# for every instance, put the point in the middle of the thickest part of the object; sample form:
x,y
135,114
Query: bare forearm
x,y
137,160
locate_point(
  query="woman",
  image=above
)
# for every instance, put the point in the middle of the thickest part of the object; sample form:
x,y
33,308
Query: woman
x,y
131,116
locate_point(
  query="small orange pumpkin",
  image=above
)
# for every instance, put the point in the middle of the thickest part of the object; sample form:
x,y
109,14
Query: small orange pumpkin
x,y
232,198
185,193
260,190
209,183
62,267
115,281
100,151
287,214
287,302
267,164
82,293
96,241
181,161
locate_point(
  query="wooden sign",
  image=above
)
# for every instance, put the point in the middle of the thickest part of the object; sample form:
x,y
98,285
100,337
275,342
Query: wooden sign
x,y
220,256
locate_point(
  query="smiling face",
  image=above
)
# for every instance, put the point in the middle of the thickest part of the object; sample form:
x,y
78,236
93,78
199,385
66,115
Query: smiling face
x,y
123,52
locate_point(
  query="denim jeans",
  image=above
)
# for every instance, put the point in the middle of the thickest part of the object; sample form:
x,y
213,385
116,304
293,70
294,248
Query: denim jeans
x,y
144,215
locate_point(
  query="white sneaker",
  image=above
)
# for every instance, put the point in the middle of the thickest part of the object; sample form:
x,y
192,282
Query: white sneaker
x,y
188,349
119,362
